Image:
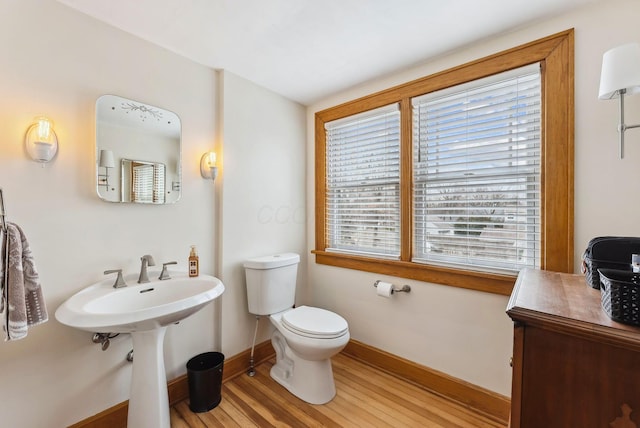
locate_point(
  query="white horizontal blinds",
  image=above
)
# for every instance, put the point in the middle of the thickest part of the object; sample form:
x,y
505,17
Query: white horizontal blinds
x,y
477,174
158,183
363,183
142,183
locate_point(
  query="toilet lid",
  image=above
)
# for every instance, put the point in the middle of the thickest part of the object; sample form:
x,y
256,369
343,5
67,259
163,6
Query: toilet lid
x,y
315,322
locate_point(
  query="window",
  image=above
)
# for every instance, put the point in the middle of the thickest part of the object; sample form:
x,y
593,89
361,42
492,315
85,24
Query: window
x,y
460,178
476,173
363,183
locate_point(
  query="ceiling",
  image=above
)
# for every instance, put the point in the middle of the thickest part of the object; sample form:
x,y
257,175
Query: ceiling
x,y
309,49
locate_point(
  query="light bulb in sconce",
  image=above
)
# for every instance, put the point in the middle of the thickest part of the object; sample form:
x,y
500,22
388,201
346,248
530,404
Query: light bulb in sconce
x,y
44,129
208,168
41,141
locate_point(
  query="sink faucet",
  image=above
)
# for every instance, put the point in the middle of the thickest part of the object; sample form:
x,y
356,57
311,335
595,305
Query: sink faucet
x,y
119,280
147,260
165,273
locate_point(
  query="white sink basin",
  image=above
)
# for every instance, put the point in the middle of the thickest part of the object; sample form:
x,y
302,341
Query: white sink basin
x,y
101,308
144,311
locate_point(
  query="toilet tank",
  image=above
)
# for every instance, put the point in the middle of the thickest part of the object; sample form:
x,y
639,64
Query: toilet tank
x,y
271,283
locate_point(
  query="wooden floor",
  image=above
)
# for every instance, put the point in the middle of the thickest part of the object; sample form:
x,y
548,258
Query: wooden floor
x,y
366,398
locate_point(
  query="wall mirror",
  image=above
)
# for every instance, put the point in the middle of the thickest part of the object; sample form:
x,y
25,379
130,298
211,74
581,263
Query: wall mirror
x,y
138,152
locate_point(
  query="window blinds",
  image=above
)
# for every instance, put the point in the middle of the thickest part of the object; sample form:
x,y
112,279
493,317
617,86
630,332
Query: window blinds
x,y
142,183
363,183
158,183
148,182
476,195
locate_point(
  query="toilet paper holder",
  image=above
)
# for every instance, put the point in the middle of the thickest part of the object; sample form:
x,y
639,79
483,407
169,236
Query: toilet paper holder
x,y
404,289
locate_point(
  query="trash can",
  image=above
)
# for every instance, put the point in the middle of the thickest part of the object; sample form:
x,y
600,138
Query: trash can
x,y
204,375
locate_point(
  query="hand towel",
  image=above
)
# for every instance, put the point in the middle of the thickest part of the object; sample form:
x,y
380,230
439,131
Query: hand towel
x,y
4,251
22,294
3,277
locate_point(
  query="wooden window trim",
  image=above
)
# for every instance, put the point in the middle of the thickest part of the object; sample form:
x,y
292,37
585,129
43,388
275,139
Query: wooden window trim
x,y
556,55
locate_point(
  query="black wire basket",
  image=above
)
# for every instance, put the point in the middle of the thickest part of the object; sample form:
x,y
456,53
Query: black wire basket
x,y
608,252
620,294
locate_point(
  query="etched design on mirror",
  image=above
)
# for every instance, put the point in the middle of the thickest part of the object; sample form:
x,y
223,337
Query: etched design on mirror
x,y
146,147
144,110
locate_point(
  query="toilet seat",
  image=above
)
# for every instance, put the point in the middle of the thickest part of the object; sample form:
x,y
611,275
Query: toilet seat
x,y
314,323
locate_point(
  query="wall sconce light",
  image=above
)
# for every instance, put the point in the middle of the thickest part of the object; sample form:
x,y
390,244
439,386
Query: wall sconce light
x,y
620,76
41,140
106,161
208,168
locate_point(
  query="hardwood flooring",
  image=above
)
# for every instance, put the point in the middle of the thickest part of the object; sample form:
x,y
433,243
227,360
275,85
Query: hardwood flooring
x,y
366,397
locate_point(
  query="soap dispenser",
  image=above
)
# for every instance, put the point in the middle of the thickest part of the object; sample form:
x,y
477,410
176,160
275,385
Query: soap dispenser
x,y
194,263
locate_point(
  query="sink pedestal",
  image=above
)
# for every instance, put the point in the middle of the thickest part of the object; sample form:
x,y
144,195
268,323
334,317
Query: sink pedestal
x,y
149,400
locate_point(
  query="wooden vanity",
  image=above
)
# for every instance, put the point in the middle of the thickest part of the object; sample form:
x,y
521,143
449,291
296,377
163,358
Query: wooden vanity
x,y
572,365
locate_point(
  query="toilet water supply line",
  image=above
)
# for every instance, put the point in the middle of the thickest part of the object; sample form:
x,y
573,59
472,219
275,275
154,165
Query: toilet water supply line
x,y
252,371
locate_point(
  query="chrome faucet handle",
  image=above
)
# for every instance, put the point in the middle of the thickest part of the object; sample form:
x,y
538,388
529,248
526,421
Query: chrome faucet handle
x,y
119,280
146,260
165,273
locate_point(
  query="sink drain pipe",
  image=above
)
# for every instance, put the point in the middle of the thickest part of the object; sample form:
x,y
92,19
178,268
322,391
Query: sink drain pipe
x,y
103,339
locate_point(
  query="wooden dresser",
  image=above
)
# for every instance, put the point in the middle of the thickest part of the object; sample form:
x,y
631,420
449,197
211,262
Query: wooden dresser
x,y
573,367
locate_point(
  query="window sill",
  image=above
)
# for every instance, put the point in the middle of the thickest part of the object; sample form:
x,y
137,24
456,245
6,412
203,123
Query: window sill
x,y
480,281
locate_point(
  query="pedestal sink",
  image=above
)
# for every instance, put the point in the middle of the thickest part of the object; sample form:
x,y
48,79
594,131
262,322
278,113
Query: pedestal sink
x,y
144,311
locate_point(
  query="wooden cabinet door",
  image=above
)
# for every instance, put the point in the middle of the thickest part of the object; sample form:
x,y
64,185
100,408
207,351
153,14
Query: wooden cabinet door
x,y
569,381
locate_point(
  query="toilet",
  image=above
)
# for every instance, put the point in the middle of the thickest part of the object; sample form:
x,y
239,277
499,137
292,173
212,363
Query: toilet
x,y
305,338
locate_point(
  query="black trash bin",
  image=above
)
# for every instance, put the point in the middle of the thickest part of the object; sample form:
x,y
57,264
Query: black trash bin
x,y
204,374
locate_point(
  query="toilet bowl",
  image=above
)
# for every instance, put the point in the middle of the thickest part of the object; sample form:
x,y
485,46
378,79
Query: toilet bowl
x,y
305,339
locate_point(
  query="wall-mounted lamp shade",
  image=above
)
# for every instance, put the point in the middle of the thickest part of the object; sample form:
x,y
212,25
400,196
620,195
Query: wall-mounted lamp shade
x,y
620,70
620,76
106,159
208,168
41,141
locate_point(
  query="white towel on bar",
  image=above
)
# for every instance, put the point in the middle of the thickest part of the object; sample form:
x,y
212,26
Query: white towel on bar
x,y
22,300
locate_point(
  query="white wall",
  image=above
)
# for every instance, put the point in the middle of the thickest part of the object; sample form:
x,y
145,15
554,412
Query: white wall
x,y
263,201
56,61
466,333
